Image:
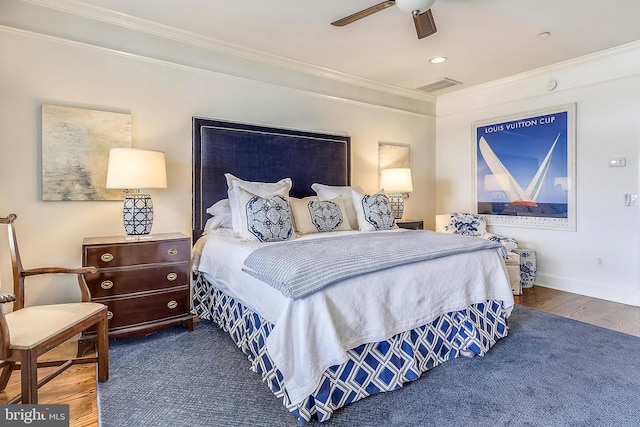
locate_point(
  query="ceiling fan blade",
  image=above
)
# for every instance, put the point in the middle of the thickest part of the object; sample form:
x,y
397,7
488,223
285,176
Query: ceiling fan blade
x,y
363,13
425,25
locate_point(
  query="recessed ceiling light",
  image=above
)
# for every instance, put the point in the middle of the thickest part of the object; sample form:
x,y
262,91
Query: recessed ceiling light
x,y
438,60
544,35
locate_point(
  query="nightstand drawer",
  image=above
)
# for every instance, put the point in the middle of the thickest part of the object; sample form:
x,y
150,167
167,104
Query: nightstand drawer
x,y
145,308
144,282
113,282
120,255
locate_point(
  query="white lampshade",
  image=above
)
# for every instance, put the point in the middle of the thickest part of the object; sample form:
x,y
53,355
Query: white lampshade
x,y
410,6
396,180
132,168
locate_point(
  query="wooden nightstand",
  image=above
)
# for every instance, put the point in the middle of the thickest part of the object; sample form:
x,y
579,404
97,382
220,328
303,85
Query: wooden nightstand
x,y
411,224
145,282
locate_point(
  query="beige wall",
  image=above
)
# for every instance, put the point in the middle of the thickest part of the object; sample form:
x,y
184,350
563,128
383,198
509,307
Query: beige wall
x,y
162,98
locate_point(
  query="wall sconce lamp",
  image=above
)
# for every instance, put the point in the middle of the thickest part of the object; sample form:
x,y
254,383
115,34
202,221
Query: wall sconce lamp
x,y
397,184
132,169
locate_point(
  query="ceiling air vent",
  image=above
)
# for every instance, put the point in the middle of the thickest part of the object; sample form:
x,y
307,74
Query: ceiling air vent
x,y
439,85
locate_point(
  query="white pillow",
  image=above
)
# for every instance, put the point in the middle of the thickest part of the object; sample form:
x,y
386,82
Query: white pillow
x,y
373,211
221,207
329,192
261,189
218,221
311,215
221,216
297,207
265,218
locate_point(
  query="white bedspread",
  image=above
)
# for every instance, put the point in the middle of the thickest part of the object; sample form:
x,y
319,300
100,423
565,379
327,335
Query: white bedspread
x,y
314,333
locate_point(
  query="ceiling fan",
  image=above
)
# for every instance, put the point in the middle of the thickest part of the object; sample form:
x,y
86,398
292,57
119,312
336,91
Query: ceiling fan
x,y
420,9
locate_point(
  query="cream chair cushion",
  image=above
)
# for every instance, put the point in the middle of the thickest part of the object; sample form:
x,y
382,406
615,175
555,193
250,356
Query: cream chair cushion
x,y
30,326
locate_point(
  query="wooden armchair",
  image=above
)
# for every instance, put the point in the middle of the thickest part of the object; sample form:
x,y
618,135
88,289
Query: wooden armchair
x,y
28,332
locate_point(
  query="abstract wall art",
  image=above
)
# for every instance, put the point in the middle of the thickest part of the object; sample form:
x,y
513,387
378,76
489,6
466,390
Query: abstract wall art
x,y
75,152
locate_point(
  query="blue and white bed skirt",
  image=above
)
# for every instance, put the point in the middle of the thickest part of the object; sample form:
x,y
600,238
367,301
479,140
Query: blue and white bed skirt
x,y
371,368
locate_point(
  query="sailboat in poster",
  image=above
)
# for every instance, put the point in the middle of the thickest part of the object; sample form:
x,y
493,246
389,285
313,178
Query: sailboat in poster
x,y
516,194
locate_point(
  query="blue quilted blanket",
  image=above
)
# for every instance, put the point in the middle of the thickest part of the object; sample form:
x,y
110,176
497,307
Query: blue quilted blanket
x,y
300,267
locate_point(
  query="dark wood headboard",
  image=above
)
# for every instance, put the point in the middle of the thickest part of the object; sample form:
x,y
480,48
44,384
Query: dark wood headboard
x,y
262,153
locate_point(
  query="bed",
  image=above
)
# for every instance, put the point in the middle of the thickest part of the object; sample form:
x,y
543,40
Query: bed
x,y
319,347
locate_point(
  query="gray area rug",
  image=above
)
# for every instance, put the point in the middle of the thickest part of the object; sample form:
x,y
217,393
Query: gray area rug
x,y
549,371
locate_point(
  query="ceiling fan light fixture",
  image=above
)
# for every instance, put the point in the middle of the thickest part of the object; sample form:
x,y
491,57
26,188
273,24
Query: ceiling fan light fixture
x,y
411,6
419,9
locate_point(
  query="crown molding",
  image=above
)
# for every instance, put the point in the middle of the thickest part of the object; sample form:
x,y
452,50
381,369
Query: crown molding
x,y
145,26
609,64
177,65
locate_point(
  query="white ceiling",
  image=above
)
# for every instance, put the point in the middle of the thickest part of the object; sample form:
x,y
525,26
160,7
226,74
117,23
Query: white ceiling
x,y
484,40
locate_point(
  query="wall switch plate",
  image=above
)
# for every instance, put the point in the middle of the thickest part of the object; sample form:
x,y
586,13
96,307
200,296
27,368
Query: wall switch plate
x,y
617,162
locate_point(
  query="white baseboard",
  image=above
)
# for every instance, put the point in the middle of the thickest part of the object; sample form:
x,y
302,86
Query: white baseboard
x,y
593,290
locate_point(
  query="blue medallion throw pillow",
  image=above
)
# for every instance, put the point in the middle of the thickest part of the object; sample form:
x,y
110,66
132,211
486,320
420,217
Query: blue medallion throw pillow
x,y
325,215
377,211
269,218
311,215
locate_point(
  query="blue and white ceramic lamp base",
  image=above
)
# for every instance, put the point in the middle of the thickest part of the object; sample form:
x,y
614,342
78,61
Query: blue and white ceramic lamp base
x,y
137,214
397,205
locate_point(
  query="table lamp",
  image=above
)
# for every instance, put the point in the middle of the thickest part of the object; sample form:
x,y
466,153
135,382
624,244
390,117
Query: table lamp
x,y
131,169
396,182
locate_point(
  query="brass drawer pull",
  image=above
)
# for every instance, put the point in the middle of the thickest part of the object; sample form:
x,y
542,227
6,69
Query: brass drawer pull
x,y
172,276
106,257
109,315
172,251
172,304
107,284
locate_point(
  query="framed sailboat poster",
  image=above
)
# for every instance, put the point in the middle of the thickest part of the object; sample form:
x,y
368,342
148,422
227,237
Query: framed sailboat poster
x,y
525,169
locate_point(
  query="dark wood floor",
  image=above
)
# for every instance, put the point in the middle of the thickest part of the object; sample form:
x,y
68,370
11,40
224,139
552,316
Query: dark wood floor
x,y
610,315
77,386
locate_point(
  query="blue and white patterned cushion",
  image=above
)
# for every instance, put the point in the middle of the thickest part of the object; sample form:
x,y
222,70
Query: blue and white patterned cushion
x,y
312,215
269,218
330,192
373,211
265,218
471,225
509,243
262,189
325,215
461,223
